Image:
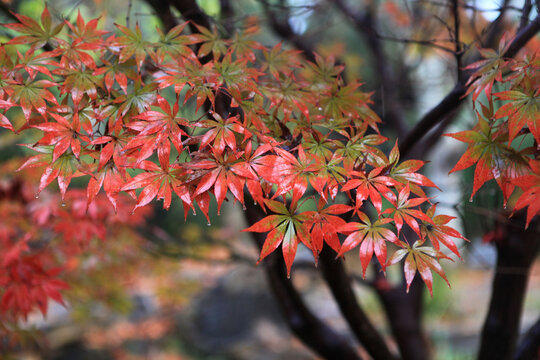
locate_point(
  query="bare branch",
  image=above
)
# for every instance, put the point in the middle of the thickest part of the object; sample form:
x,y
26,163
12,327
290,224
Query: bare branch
x,y
285,31
526,11
455,97
530,344
339,282
311,330
364,22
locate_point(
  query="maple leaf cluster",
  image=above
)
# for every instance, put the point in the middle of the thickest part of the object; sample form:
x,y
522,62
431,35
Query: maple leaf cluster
x,y
504,143
153,120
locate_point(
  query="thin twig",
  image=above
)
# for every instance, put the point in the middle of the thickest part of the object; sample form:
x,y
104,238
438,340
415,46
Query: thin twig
x,y
128,15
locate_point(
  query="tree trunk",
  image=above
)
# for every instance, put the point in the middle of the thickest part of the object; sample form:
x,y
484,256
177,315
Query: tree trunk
x,y
515,256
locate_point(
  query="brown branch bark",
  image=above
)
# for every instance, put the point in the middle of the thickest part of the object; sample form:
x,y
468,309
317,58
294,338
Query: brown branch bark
x,y
404,312
163,11
455,97
365,24
304,324
517,252
529,346
335,275
283,29
313,332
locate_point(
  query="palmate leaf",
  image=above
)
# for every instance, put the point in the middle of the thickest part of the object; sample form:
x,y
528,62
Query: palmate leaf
x,y
371,186
523,108
286,228
372,238
324,224
421,258
486,146
32,95
436,230
175,44
489,70
530,198
406,209
157,183
217,171
132,44
34,34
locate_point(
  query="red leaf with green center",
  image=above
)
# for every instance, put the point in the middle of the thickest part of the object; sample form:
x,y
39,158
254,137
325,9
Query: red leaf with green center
x,y
370,236
407,209
287,229
438,232
35,34
132,44
33,95
485,147
421,258
324,224
523,108
371,186
530,184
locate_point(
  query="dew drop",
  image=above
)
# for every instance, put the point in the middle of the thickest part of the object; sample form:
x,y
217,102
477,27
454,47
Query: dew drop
x,y
244,207
470,200
319,108
209,224
219,212
331,119
252,94
37,196
255,203
194,212
504,207
63,204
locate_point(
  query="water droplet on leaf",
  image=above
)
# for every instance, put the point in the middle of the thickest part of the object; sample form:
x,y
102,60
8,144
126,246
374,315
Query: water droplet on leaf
x,y
209,224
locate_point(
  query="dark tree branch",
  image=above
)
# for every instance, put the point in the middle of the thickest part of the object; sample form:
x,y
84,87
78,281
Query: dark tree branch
x,y
458,49
163,11
530,344
455,97
404,311
365,24
335,275
527,7
283,29
313,332
517,251
192,12
307,327
227,14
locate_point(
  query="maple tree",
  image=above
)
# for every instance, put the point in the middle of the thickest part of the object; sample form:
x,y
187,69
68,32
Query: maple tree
x,y
196,117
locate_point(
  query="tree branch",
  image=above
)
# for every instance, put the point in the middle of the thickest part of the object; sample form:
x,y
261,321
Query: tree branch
x,y
285,31
404,311
364,23
163,12
455,97
335,275
530,345
517,251
313,332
